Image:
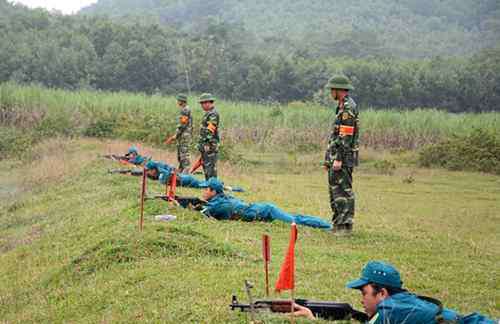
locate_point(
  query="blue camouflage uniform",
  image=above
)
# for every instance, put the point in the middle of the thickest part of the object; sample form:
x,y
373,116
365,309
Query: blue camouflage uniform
x,y
183,180
138,159
225,207
405,307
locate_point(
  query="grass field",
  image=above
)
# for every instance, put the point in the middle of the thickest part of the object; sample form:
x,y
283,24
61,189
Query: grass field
x,y
70,250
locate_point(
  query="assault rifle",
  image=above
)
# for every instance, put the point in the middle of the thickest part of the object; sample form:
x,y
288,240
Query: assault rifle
x,y
115,157
185,202
322,309
134,172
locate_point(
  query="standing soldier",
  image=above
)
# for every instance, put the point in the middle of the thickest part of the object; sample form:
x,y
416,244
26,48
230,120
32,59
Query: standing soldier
x,y
208,144
184,134
341,155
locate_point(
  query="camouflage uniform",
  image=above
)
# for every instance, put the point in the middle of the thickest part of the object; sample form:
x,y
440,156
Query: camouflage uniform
x,y
183,138
208,144
342,146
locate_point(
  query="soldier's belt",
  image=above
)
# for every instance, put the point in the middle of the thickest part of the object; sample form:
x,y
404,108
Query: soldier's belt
x,y
346,130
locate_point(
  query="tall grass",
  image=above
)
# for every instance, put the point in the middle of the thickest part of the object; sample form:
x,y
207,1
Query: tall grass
x,y
297,126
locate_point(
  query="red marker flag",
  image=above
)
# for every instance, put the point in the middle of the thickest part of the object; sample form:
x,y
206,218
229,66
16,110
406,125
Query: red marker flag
x,y
286,279
173,186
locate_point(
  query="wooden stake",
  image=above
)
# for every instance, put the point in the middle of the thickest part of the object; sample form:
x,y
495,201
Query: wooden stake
x,y
266,254
143,193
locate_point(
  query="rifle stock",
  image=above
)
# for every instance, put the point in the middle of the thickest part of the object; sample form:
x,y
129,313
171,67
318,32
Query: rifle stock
x,y
185,202
323,309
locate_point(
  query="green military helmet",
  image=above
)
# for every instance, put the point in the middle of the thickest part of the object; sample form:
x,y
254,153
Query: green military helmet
x,y
206,97
340,81
181,97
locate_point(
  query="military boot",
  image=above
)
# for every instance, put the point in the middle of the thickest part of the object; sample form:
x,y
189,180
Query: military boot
x,y
348,229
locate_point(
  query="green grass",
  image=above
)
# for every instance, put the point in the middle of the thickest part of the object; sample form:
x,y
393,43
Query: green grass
x,y
70,249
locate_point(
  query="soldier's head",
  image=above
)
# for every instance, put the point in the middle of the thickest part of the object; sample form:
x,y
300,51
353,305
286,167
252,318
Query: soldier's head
x,y
207,101
378,281
181,100
132,152
214,187
339,86
151,169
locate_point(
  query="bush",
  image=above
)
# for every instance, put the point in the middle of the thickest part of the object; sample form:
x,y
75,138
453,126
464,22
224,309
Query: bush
x,y
100,128
14,142
385,167
478,151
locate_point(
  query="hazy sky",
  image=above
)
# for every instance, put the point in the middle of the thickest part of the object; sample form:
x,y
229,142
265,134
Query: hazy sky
x,y
65,6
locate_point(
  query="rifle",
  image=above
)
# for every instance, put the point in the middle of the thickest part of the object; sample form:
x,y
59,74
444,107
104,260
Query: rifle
x,y
134,172
323,309
185,202
115,157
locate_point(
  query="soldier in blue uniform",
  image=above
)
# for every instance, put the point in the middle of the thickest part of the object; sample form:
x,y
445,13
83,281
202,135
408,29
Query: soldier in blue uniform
x,y
134,157
223,207
162,172
386,302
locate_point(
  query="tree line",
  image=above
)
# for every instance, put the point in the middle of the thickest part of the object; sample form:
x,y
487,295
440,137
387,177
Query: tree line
x,y
81,52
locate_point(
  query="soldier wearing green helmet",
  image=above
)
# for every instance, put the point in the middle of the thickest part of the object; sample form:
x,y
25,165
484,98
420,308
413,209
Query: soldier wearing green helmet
x,y
208,144
341,154
183,135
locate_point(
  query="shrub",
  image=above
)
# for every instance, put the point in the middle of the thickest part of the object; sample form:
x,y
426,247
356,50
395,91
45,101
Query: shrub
x,y
477,151
100,128
14,142
385,167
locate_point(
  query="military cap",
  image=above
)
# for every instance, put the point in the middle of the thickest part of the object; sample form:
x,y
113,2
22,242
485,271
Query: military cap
x,y
181,97
215,184
133,150
340,81
380,273
206,97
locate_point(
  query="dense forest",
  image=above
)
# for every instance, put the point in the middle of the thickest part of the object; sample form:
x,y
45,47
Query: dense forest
x,y
357,28
206,48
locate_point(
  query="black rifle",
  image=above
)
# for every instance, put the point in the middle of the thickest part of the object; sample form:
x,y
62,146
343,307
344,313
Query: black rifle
x,y
115,157
323,309
185,202
134,172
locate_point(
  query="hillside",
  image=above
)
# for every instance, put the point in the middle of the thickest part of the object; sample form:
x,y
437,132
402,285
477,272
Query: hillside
x,y
409,28
71,251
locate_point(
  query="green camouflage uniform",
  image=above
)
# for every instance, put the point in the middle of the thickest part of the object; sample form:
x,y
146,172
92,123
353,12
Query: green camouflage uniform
x,y
183,138
209,142
343,146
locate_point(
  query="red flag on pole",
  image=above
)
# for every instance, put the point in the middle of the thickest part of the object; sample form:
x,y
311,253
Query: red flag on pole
x,y
173,186
286,279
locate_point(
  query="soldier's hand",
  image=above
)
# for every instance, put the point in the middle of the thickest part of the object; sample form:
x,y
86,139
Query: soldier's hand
x,y
302,311
169,140
337,165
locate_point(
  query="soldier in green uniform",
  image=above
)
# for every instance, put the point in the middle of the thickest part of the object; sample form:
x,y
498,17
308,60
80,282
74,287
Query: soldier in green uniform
x,y
341,155
183,135
208,144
